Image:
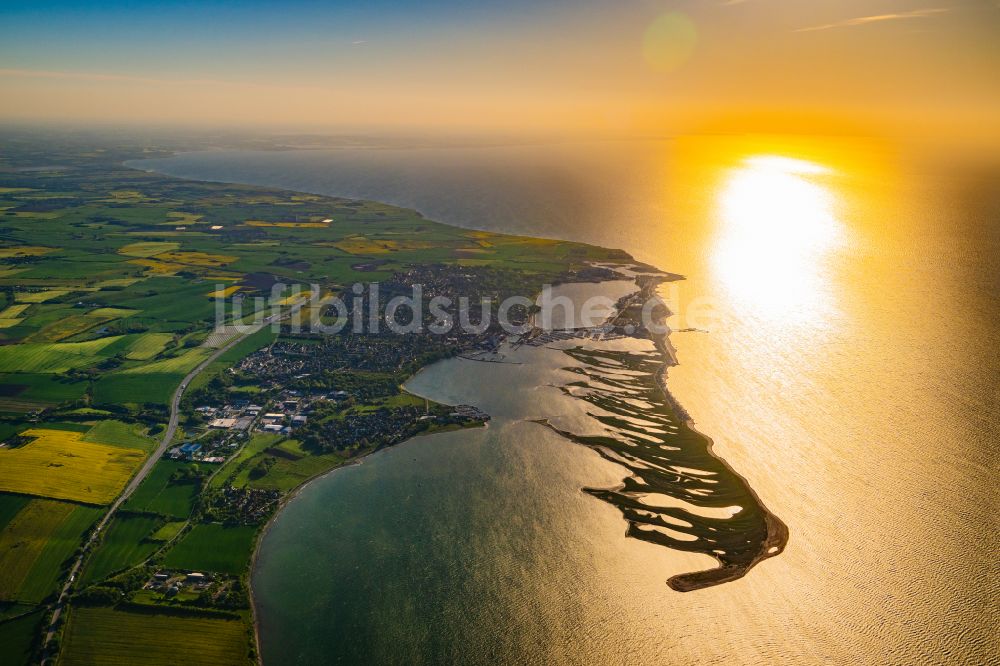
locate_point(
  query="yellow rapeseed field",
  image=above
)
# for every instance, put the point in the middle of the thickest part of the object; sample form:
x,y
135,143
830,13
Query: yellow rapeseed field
x,y
362,245
197,258
147,248
60,464
39,296
23,251
223,293
289,225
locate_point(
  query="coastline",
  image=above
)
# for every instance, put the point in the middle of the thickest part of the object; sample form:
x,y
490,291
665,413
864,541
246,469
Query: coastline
x,y
293,494
777,531
646,278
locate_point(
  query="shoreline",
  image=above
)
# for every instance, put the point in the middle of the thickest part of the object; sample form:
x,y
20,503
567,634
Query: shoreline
x,y
296,491
777,532
647,278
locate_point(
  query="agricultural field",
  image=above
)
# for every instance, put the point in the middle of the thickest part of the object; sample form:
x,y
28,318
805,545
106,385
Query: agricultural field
x,y
40,296
118,433
147,248
168,531
135,389
35,543
23,540
179,365
13,311
213,547
156,494
52,357
148,346
27,392
77,324
108,637
59,464
126,543
18,636
10,505
109,278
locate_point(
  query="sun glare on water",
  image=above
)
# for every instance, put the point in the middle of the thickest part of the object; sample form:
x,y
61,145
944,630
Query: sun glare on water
x,y
777,225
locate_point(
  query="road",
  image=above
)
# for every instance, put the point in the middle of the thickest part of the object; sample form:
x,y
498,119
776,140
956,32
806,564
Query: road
x,y
154,457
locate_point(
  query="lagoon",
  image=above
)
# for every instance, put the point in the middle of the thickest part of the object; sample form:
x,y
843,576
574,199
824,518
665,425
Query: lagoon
x,y
845,367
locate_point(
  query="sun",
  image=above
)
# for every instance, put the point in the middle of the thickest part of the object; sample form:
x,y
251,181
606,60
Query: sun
x,y
777,225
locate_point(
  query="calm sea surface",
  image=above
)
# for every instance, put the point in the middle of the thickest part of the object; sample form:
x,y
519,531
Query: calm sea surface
x,y
840,319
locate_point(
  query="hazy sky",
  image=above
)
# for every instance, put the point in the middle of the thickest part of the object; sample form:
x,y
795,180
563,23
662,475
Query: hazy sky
x,y
586,65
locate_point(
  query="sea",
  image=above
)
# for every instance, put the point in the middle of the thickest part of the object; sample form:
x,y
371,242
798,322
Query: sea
x,y
836,333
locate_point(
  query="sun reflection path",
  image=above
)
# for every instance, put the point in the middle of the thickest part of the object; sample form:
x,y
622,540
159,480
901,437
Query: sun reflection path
x,y
777,226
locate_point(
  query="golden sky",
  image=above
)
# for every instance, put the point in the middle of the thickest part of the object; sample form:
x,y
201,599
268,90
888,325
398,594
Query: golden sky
x,y
620,68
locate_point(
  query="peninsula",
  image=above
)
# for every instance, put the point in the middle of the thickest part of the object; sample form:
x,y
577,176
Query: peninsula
x,y
153,419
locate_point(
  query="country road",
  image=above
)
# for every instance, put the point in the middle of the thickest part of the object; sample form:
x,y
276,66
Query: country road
x,y
154,457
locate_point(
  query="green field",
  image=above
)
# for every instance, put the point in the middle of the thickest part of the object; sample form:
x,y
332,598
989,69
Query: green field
x,y
34,545
123,389
180,365
52,357
21,392
148,346
10,505
213,547
108,637
168,531
157,495
23,541
118,433
287,474
17,637
239,463
125,544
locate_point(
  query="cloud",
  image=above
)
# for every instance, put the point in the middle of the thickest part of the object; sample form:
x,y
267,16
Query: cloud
x,y
878,18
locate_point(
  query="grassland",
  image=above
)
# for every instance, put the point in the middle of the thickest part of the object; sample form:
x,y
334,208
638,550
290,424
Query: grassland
x,y
108,637
34,545
125,544
135,388
24,539
234,466
286,474
28,392
10,505
52,357
178,365
149,346
213,547
18,636
118,433
168,531
59,464
156,494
